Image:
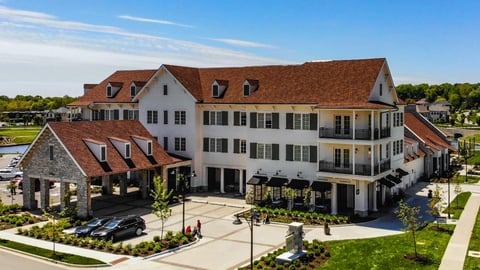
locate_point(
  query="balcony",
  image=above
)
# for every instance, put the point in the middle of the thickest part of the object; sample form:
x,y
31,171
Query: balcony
x,y
360,168
360,134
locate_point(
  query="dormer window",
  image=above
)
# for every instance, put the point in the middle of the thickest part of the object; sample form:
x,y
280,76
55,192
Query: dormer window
x,y
127,150
99,149
218,88
123,146
145,144
103,153
133,90
149,148
109,91
113,88
249,86
381,89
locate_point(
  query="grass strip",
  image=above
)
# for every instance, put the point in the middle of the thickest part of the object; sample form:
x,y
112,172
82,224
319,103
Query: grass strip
x,y
46,253
473,262
458,204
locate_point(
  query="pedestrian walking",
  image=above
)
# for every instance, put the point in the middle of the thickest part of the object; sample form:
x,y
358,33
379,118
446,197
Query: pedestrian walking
x,y
199,228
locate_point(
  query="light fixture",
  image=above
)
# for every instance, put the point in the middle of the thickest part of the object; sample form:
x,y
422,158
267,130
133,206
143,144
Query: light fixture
x,y
356,150
277,172
299,174
259,171
356,116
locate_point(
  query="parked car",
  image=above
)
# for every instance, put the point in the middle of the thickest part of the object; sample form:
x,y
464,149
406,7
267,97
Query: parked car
x,y
9,173
120,227
91,225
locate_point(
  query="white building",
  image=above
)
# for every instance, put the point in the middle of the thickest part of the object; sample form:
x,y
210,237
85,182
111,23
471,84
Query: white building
x,y
334,126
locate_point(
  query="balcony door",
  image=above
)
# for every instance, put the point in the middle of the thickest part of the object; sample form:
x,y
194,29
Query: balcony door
x,y
342,125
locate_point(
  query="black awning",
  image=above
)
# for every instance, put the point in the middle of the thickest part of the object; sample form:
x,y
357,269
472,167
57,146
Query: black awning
x,y
298,184
394,179
386,182
257,180
277,182
401,172
321,186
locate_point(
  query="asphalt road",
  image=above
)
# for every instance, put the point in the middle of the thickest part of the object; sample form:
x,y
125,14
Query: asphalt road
x,y
14,261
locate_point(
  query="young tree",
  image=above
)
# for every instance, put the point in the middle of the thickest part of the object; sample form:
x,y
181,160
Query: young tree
x,y
457,190
161,198
409,216
435,203
290,195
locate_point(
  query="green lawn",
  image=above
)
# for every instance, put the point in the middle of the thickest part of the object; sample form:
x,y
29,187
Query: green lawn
x,y
458,204
388,252
23,135
58,256
471,262
471,179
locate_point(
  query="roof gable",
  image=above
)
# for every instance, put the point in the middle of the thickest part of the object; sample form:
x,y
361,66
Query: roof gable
x,y
423,129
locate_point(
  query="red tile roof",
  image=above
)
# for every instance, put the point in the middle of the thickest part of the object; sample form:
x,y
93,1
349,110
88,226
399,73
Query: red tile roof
x,y
425,132
73,135
344,83
121,78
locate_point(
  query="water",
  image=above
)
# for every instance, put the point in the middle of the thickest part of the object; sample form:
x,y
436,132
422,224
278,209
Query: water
x,y
20,149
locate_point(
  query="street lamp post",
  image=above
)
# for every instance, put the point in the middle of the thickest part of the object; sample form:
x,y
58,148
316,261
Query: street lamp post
x,y
183,184
449,209
250,222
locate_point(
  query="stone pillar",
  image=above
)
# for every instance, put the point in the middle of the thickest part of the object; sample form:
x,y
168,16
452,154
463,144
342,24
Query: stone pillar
x,y
123,184
240,189
64,188
143,184
44,193
29,201
375,209
361,199
334,199
107,184
84,198
222,180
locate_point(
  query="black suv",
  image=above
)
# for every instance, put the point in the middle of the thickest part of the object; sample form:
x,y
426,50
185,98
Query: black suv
x,y
120,227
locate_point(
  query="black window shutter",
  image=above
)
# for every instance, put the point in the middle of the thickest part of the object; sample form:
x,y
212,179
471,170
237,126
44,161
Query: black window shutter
x,y
275,120
275,151
165,117
224,118
236,118
253,120
253,150
224,145
125,114
165,143
313,153
289,124
206,142
236,146
313,121
289,152
206,118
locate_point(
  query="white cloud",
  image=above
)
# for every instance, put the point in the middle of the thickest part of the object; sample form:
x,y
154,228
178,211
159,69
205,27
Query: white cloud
x,y
242,43
139,19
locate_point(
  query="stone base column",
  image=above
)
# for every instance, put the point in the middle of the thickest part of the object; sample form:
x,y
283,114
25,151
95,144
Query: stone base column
x,y
84,198
44,193
107,184
123,184
29,201
143,184
334,199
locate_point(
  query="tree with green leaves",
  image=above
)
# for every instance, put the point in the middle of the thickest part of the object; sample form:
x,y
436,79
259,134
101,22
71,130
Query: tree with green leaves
x,y
161,198
457,190
435,203
409,216
290,196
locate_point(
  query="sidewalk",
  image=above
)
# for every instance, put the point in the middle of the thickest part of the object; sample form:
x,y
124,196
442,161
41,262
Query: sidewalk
x,y
457,248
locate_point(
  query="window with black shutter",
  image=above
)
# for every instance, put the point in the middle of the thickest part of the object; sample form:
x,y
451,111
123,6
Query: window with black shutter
x,y
313,153
236,146
275,151
206,144
289,122
236,118
253,150
253,120
289,152
206,118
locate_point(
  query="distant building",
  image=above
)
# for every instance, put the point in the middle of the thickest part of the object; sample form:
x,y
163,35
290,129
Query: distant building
x,y
436,111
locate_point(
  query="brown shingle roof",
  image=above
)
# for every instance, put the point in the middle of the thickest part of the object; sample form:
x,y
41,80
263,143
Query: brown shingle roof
x,y
121,78
425,132
344,83
73,134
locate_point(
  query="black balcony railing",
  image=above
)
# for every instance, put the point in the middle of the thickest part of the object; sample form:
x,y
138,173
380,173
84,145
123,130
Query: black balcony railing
x,y
360,134
360,168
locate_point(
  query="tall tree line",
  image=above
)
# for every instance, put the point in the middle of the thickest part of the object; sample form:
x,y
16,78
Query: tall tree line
x,y
33,103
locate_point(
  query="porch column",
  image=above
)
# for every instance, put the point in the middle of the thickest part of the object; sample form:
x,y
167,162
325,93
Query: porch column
x,y
123,184
107,184
374,205
143,184
64,188
29,193
240,188
84,198
361,199
44,193
222,180
334,199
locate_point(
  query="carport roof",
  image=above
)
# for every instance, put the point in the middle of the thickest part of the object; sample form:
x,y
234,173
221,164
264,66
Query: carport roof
x,y
257,180
74,135
277,181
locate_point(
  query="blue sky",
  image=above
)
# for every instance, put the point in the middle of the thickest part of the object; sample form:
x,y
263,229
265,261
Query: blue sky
x,y
53,47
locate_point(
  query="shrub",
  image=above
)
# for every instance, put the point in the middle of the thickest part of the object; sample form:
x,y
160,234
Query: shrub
x,y
156,238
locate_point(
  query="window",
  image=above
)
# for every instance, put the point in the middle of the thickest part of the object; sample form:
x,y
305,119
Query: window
x,y
149,148
342,128
346,158
303,153
219,145
133,91
165,143
246,90
127,150
165,90
165,117
337,157
215,118
152,117
130,114
180,144
50,152
301,121
381,89
109,91
215,92
239,118
180,117
103,153
239,146
264,120
264,151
